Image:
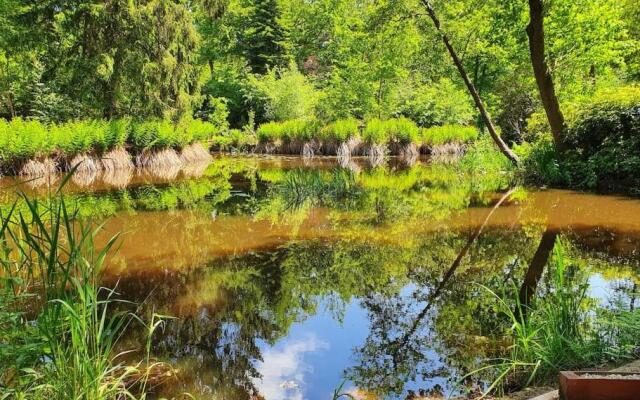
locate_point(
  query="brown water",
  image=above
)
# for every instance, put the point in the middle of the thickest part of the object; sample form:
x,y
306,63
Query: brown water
x,y
287,278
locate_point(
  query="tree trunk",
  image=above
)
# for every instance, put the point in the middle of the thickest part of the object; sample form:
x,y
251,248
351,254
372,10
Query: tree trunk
x,y
535,270
402,341
472,90
535,32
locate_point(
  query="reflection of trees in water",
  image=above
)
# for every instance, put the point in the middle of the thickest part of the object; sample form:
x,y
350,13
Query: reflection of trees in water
x,y
225,309
406,343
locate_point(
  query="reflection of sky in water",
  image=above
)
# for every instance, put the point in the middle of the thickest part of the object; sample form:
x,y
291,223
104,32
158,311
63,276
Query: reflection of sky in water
x,y
599,288
309,363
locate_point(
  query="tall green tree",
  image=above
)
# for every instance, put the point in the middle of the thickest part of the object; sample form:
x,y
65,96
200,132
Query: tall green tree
x,y
264,37
110,58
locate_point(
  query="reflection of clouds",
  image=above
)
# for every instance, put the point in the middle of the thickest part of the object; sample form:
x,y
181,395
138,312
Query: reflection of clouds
x,y
283,369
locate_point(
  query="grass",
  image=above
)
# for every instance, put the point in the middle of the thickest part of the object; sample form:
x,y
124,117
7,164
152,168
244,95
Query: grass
x,y
374,131
563,329
21,139
286,131
59,332
340,130
439,135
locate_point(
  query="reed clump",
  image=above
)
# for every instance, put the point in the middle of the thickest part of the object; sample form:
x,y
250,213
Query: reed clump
x,y
375,137
29,147
562,329
60,329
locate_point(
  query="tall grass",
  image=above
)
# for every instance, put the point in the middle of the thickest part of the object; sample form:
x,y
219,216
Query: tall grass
x,y
563,329
286,131
340,130
438,135
375,131
58,331
20,139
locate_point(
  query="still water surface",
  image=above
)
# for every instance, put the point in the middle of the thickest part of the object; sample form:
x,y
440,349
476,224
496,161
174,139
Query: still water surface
x,y
288,278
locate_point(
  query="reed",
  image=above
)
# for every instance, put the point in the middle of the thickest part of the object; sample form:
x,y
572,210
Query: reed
x,y
58,326
563,329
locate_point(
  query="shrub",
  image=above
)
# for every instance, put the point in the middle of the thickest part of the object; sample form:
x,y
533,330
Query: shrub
x,y
438,135
603,141
540,163
375,132
341,130
440,103
287,93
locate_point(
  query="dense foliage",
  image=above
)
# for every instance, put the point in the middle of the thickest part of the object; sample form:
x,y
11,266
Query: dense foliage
x,y
20,139
247,63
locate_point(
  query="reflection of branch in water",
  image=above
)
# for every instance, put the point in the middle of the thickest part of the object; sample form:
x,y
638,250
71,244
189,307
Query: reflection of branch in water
x,y
399,344
535,269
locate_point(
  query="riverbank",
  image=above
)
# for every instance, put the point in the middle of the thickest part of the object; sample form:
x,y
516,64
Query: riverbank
x,y
33,149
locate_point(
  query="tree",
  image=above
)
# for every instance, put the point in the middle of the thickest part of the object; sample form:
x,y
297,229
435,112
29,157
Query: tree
x,y
470,87
109,58
264,37
535,32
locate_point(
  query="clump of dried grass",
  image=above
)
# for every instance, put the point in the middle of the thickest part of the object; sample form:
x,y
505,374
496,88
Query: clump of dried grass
x,y
117,159
117,178
84,164
195,152
158,159
38,168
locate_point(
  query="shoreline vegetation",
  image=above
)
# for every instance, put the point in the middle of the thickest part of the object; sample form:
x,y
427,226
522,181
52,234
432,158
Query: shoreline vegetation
x,y
32,149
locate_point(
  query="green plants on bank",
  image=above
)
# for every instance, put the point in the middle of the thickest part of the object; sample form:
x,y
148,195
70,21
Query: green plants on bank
x,y
286,131
64,345
438,135
22,139
397,130
376,132
402,130
603,141
341,130
563,329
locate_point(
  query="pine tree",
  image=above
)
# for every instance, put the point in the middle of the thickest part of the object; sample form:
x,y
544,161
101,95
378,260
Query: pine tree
x,y
264,37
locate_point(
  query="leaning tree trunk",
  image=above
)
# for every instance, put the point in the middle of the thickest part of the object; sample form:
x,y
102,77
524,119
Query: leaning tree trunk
x,y
534,272
535,32
474,93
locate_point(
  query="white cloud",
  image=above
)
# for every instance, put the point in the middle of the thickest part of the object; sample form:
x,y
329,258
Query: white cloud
x,y
283,368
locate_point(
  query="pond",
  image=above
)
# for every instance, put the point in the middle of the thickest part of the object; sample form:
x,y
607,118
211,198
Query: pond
x,y
287,278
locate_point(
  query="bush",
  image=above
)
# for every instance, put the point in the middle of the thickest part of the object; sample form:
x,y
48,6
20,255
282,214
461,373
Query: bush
x,y
441,103
438,135
540,163
375,132
603,141
287,94
341,130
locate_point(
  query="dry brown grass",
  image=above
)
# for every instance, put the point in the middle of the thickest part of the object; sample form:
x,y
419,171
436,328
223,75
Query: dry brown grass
x,y
118,178
376,153
195,152
117,159
84,164
39,168
309,149
158,159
